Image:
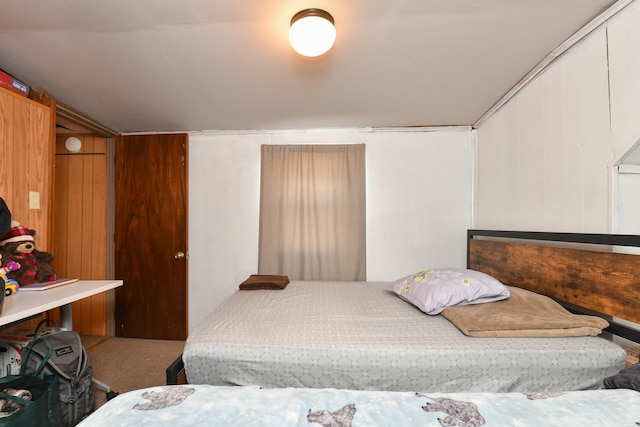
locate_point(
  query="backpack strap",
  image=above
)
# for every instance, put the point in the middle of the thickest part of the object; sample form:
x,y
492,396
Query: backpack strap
x,y
42,322
44,361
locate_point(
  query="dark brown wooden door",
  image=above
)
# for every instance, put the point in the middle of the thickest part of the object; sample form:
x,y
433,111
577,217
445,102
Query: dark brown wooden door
x,y
150,236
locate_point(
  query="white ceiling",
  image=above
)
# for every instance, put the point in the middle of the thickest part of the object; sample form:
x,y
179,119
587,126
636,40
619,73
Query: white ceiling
x,y
179,65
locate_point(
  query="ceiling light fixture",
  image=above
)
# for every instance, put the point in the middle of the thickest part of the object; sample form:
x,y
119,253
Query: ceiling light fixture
x,y
312,32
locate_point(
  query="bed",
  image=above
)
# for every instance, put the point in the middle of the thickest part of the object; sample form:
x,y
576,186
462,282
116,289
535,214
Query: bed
x,y
357,336
197,405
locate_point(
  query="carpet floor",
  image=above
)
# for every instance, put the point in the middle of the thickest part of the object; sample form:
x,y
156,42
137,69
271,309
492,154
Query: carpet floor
x,y
126,364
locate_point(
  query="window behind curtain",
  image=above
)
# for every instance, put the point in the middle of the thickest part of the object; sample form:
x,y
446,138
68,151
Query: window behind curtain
x,y
312,212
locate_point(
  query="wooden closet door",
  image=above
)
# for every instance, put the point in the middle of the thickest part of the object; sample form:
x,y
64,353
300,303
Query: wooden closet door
x,y
151,236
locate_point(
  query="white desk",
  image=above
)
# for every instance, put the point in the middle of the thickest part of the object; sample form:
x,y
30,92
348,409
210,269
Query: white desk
x,y
22,305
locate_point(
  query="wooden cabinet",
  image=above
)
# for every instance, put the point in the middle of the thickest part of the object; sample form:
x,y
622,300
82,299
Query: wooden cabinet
x,y
27,151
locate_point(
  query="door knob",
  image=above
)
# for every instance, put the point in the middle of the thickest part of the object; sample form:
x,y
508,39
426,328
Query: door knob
x,y
179,255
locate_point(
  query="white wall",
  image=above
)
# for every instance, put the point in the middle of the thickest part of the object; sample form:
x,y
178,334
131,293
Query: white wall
x,y
628,201
419,197
545,158
623,33
624,58
544,162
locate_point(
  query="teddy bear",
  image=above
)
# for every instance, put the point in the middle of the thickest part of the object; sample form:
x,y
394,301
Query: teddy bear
x,y
18,245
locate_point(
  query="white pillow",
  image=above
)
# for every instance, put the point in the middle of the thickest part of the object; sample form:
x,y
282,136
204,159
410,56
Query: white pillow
x,y
434,290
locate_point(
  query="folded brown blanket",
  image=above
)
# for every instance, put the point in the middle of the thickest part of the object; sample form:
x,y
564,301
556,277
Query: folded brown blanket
x,y
523,314
264,281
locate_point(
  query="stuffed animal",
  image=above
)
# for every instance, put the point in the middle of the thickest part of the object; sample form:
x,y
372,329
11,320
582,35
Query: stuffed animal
x,y
10,286
18,245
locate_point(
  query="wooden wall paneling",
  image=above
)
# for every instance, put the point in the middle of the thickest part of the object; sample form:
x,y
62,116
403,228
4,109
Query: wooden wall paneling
x,y
98,262
72,226
59,224
61,212
81,224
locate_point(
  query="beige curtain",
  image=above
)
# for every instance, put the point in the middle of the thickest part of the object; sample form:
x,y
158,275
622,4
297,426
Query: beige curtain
x,y
312,212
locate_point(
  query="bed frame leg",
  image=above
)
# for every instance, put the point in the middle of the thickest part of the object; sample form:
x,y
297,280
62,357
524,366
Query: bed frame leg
x,y
175,372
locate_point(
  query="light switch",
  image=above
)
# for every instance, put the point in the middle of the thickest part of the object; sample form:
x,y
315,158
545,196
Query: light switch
x,y
34,200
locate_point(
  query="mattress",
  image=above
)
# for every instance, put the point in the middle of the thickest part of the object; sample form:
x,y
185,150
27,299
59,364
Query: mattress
x,y
203,405
355,335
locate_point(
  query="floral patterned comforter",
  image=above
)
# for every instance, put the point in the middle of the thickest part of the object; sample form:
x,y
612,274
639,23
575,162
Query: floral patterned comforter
x,y
205,405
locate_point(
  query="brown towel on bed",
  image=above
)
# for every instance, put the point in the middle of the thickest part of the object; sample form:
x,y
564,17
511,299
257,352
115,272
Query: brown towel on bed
x,y
264,281
523,314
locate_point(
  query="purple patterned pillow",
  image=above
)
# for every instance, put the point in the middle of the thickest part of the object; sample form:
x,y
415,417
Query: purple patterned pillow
x,y
434,290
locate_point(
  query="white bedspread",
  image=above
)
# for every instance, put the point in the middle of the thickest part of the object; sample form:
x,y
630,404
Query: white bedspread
x,y
354,335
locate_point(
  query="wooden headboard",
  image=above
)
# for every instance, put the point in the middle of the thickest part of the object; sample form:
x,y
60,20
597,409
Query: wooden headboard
x,y
581,271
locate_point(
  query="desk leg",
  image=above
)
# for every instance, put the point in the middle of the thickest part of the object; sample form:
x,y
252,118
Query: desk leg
x,y
66,319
